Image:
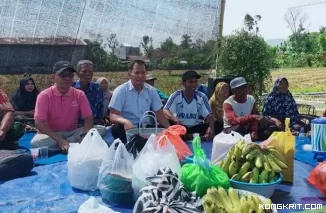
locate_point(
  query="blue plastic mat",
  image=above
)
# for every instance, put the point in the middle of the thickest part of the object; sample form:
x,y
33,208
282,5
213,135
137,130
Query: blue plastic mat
x,y
48,190
25,142
304,156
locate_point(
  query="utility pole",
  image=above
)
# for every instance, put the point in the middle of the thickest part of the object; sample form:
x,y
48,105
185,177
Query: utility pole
x,y
220,35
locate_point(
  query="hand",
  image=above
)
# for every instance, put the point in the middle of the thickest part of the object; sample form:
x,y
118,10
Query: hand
x,y
2,135
278,123
128,125
177,122
64,145
254,136
209,134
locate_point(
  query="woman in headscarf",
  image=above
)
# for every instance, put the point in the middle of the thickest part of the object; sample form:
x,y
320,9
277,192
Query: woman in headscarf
x,y
24,98
280,104
104,82
221,93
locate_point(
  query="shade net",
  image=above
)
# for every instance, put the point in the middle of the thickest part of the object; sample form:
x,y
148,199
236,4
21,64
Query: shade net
x,y
37,33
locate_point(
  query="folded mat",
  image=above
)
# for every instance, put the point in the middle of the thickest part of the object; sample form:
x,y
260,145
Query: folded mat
x,y
25,143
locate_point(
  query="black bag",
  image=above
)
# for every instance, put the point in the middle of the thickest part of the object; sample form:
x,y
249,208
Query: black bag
x,y
14,164
136,144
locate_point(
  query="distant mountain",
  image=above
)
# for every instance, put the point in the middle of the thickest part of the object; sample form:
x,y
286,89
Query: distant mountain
x,y
275,42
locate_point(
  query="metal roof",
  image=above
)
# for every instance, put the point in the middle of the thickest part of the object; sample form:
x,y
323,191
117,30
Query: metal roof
x,y
58,41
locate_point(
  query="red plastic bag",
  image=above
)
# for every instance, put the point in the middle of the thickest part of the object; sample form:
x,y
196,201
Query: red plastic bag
x,y
173,134
317,177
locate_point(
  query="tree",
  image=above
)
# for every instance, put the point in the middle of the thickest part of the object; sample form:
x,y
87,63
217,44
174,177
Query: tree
x,y
112,42
147,45
248,55
186,41
95,53
252,23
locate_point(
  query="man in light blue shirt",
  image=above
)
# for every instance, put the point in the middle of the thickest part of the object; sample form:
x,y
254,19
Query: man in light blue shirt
x,y
131,100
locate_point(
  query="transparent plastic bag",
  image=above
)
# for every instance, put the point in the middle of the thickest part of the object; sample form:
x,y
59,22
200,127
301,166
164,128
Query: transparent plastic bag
x,y
93,206
84,161
153,157
115,176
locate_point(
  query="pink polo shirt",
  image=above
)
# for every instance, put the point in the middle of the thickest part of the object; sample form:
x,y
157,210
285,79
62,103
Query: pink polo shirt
x,y
61,112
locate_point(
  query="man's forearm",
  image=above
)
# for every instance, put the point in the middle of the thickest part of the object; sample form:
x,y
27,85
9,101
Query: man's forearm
x,y
88,124
162,119
44,129
7,121
117,119
169,115
211,122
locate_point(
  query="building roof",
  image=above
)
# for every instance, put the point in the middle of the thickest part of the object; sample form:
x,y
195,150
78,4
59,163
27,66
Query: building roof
x,y
59,41
141,58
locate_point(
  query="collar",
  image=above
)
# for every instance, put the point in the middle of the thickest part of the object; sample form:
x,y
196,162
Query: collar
x,y
56,92
77,85
193,97
131,86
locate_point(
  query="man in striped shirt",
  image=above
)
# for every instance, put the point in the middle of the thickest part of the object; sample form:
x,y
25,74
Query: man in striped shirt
x,y
189,107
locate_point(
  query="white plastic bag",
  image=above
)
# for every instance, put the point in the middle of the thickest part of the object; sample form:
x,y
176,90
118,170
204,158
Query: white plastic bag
x,y
114,181
153,157
222,144
84,161
92,206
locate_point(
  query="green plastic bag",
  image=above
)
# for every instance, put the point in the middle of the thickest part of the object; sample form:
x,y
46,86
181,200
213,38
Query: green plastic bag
x,y
201,174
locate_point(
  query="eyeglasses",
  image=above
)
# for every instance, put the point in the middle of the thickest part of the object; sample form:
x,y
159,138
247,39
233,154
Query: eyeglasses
x,y
65,74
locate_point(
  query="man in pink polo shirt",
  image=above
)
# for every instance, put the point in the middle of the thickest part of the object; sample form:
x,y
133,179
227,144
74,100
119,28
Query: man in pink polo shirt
x,y
57,111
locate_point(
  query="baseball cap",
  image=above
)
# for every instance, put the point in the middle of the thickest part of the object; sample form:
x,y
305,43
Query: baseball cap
x,y
190,74
150,77
237,82
61,66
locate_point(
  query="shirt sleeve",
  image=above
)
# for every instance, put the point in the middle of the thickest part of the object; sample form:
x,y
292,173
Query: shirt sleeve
x,y
254,124
162,94
205,108
171,104
84,108
5,104
100,101
117,99
41,107
156,101
233,119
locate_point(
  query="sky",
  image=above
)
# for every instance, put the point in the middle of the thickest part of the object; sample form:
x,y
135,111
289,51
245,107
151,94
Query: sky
x,y
272,25
160,19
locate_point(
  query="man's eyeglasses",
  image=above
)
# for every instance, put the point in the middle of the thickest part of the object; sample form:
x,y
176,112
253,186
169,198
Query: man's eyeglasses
x,y
66,75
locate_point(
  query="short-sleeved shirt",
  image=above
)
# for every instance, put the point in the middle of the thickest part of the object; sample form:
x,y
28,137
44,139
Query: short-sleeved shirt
x,y
5,104
132,105
95,98
188,113
61,111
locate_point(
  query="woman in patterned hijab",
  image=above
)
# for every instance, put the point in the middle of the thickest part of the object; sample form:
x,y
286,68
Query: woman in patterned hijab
x,y
280,104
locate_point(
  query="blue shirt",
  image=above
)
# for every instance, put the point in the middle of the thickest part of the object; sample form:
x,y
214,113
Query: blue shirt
x,y
95,98
132,105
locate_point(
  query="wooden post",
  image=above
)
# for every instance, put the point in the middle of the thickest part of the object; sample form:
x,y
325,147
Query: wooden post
x,y
220,34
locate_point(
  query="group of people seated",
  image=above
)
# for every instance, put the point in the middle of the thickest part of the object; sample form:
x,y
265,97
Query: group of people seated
x,y
66,111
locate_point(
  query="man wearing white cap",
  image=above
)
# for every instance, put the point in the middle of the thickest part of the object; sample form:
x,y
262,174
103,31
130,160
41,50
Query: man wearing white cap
x,y
150,79
240,110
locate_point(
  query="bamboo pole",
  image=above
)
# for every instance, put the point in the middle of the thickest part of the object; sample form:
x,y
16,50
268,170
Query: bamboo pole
x,y
220,35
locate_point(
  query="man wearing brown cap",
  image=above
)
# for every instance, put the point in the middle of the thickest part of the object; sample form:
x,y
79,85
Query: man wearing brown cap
x,y
150,79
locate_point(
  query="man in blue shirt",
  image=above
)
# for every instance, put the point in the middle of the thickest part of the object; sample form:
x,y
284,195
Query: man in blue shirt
x,y
92,90
150,79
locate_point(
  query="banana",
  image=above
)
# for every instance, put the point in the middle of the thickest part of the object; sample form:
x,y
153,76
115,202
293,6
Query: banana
x,y
225,199
255,174
217,199
252,202
274,165
252,165
230,152
233,194
277,155
257,201
263,176
220,164
237,153
241,143
208,203
248,148
253,180
280,163
244,168
244,204
254,153
226,165
259,161
236,177
271,147
271,176
246,177
266,164
232,169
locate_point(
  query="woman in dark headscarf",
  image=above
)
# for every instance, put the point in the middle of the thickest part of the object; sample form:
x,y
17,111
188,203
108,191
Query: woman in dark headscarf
x,y
24,98
280,104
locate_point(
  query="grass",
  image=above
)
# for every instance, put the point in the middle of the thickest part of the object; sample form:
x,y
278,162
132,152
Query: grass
x,y
301,79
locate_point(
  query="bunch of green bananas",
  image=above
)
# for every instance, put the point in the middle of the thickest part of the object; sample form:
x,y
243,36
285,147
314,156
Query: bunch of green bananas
x,y
228,201
248,162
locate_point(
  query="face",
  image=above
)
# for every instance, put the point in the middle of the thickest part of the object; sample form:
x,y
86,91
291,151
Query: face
x,y
225,91
241,92
190,84
151,82
86,73
138,75
29,87
283,86
104,85
64,79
